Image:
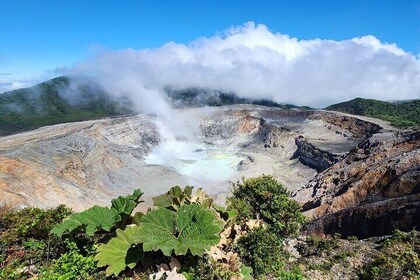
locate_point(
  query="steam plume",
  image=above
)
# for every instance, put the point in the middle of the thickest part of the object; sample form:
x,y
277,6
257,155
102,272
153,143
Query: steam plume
x,y
254,62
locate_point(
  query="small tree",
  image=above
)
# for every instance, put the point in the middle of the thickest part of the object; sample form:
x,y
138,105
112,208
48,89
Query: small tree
x,y
261,248
266,199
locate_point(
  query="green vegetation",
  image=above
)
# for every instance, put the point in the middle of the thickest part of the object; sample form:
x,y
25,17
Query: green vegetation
x,y
195,97
398,258
97,219
25,240
186,236
400,114
51,103
72,265
61,100
262,250
266,199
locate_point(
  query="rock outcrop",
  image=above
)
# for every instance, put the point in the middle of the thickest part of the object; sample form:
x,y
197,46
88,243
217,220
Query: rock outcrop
x,y
372,191
346,123
314,157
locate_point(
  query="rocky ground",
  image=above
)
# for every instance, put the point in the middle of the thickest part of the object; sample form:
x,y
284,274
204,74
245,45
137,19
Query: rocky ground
x,y
355,177
372,191
387,257
86,163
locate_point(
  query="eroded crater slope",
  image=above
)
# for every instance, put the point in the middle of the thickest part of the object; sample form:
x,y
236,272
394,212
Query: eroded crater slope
x,y
85,163
372,191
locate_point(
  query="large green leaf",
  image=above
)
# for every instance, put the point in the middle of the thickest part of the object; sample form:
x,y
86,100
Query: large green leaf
x,y
100,218
119,252
226,215
177,197
246,272
157,229
192,227
88,221
174,198
125,205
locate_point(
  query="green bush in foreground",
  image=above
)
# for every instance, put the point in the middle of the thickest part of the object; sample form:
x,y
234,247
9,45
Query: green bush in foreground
x,y
25,239
182,223
262,250
72,265
100,219
31,223
191,229
185,235
266,199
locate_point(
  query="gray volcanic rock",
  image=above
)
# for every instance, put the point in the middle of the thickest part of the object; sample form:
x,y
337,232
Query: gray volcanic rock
x,y
372,191
316,158
86,163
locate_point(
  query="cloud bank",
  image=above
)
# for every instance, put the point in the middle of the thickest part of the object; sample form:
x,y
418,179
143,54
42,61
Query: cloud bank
x,y
254,62
7,84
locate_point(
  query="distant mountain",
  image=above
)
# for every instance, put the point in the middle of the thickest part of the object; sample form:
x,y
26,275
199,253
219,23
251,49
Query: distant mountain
x,y
400,114
47,104
62,100
195,97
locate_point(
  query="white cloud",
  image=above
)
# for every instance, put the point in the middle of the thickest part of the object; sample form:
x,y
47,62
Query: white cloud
x,y
7,85
252,61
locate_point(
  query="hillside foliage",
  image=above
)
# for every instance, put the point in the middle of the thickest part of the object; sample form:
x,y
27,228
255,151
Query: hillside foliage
x,y
400,114
64,99
54,102
185,235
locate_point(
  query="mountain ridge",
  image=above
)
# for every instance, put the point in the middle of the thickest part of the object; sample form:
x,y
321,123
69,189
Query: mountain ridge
x,y
44,104
59,100
401,114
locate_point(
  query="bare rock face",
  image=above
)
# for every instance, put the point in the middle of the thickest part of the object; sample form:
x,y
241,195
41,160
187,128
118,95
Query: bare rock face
x,y
356,127
74,164
372,191
314,157
86,163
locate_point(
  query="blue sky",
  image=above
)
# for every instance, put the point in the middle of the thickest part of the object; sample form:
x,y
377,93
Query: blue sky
x,y
37,36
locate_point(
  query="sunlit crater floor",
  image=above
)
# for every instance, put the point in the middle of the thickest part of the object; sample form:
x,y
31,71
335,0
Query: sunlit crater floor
x,y
201,163
85,163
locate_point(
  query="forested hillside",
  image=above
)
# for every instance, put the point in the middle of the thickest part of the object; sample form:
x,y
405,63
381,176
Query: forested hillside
x,y
401,114
53,102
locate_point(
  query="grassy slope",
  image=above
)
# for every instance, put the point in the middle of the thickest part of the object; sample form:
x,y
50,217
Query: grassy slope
x,y
30,108
399,114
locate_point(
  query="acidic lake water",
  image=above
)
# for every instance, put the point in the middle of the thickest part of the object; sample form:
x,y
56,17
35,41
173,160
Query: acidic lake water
x,y
197,161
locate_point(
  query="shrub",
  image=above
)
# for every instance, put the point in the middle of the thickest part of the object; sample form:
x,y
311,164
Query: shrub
x,y
190,229
184,224
398,258
100,219
31,223
72,265
265,198
293,275
208,268
25,239
262,250
318,245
